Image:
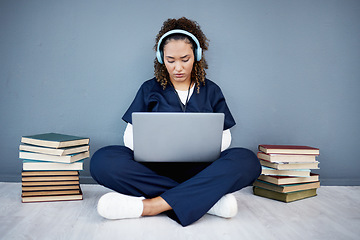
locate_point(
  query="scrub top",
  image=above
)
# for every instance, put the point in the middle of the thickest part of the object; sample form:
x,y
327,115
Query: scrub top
x,y
151,97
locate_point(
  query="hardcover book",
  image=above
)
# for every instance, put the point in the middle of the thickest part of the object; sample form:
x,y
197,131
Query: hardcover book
x,y
50,188
292,173
54,151
288,149
49,183
30,165
49,173
286,188
50,193
50,178
52,158
55,140
286,157
281,180
284,197
71,197
289,166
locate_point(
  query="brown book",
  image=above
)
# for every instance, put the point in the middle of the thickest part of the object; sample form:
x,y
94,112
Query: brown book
x,y
50,178
290,158
50,188
281,180
71,197
50,183
49,173
289,166
49,193
286,188
284,197
288,149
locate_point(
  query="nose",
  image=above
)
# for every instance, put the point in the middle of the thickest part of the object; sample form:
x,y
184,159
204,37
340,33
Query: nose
x,y
178,67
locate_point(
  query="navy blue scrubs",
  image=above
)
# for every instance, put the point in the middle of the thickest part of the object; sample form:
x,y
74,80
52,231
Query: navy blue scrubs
x,y
191,189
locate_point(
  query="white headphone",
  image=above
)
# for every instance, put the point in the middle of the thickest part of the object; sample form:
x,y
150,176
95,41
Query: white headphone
x,y
197,52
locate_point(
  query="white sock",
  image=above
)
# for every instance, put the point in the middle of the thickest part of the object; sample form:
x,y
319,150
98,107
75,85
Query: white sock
x,y
114,205
226,207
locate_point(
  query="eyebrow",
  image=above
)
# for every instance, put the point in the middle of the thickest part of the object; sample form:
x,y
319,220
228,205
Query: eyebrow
x,y
180,57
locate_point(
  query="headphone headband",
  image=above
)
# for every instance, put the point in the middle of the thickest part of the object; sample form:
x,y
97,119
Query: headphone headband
x,y
198,50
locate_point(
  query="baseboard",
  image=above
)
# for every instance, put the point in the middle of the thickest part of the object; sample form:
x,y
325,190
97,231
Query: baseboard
x,y
339,182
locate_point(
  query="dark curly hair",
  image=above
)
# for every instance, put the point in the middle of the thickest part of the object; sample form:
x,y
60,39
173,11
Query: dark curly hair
x,y
198,73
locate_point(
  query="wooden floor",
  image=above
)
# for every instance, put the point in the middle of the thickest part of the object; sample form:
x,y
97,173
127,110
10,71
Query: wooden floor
x,y
333,214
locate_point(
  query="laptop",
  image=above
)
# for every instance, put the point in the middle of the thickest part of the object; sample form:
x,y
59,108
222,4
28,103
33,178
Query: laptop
x,y
177,137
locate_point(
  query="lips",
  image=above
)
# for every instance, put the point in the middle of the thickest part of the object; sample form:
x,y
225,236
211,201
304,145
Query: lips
x,y
179,75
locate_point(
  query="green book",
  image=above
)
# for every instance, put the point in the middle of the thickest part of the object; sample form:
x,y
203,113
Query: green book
x,y
284,197
55,140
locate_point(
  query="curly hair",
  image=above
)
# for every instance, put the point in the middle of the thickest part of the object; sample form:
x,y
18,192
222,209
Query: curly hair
x,y
198,73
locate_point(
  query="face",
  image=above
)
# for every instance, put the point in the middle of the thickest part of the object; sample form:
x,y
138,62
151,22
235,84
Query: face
x,y
179,61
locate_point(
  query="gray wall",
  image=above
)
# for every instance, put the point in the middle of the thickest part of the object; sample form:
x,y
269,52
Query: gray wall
x,y
289,69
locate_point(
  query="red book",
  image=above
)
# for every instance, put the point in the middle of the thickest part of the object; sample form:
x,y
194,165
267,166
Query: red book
x,y
288,149
282,180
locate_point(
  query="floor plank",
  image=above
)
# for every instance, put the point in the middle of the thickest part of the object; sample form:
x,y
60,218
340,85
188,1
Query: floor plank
x,y
333,214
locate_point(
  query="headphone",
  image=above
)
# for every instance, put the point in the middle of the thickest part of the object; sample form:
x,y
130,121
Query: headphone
x,y
197,52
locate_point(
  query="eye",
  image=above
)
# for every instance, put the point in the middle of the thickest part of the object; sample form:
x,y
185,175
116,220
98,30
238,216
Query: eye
x,y
186,60
170,61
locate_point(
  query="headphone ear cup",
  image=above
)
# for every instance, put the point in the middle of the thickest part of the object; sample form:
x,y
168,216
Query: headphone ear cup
x,y
159,57
198,54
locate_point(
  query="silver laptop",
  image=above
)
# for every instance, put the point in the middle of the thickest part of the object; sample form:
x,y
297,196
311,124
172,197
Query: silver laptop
x,y
177,137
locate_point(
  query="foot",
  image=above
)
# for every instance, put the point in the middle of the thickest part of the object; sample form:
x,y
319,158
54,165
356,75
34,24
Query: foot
x,y
226,207
114,205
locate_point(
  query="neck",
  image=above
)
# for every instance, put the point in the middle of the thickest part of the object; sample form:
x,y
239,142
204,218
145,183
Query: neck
x,y
182,86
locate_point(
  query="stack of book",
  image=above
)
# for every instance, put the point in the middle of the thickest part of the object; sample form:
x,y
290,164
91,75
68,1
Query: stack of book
x,y
286,172
51,165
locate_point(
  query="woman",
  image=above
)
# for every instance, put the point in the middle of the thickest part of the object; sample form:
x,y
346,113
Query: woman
x,y
185,191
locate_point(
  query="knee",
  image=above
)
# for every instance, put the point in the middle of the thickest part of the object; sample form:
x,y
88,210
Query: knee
x,y
107,159
246,161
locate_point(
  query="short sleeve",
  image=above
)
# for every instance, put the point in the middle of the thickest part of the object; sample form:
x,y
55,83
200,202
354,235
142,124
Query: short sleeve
x,y
220,106
138,105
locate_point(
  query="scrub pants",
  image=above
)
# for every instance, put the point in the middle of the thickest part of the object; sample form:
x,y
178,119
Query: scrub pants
x,y
191,189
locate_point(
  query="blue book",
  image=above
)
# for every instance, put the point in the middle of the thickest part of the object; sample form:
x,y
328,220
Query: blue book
x,y
292,172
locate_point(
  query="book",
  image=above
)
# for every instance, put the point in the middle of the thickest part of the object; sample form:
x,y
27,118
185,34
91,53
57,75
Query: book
x,y
30,165
281,180
54,151
49,188
52,158
50,183
288,149
286,157
49,173
289,166
50,178
286,188
49,193
292,172
54,140
284,197
71,197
